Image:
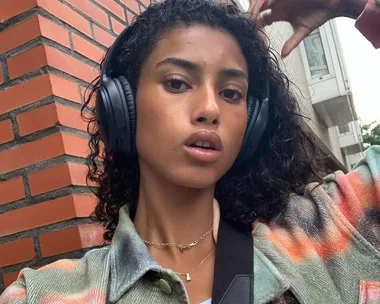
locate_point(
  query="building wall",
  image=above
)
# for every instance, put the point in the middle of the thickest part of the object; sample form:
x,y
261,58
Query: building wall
x,y
294,68
335,147
49,51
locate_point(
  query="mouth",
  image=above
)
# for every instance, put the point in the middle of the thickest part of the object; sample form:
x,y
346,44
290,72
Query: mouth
x,y
204,145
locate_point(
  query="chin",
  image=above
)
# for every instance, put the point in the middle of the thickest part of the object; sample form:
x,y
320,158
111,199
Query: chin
x,y
197,178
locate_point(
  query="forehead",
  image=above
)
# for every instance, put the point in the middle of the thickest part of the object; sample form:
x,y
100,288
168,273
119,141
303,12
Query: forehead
x,y
201,44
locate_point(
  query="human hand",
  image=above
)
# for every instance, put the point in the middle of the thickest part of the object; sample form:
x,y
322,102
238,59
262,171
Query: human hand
x,y
304,15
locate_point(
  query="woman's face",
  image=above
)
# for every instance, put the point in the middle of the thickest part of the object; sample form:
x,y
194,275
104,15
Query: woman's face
x,y
191,106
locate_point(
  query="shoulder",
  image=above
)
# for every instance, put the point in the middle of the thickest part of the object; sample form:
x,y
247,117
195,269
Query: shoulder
x,y
323,220
331,231
80,278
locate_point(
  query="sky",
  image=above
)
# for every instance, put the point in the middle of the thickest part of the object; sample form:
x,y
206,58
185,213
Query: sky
x,y
363,67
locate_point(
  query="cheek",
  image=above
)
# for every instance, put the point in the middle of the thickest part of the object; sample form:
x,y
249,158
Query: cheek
x,y
236,130
154,125
146,126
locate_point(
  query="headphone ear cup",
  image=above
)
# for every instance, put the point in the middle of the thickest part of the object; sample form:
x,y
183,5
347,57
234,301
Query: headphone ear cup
x,y
103,116
113,116
251,103
131,112
257,119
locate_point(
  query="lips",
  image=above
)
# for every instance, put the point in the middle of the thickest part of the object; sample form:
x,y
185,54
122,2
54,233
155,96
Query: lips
x,y
207,136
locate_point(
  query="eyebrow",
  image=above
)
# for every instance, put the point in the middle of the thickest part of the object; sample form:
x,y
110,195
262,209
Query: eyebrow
x,y
182,63
189,65
233,73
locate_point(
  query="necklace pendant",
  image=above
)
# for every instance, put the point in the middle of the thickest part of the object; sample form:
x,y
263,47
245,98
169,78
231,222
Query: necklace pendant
x,y
188,278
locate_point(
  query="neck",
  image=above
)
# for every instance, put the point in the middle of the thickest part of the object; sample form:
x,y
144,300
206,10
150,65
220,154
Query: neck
x,y
173,214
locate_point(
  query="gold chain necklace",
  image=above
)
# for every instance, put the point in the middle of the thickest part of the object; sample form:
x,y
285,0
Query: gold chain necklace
x,y
180,246
187,274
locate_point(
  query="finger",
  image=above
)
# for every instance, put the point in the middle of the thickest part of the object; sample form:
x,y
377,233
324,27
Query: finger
x,y
254,8
300,33
267,5
264,19
268,17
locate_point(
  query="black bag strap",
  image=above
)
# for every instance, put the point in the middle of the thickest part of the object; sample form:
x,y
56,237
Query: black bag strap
x,y
233,275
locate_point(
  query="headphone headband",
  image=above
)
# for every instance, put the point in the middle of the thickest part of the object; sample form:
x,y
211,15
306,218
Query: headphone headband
x,y
110,54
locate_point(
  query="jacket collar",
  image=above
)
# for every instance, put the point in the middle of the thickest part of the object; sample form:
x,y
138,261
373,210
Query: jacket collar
x,y
129,257
130,260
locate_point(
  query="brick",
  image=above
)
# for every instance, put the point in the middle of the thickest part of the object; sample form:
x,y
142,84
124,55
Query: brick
x,y
25,93
113,7
31,28
48,116
43,55
37,119
19,34
37,88
42,149
70,65
102,36
49,212
12,190
53,31
70,117
57,177
65,88
71,239
27,61
31,153
91,10
117,26
146,2
86,94
67,15
12,8
16,252
87,49
9,278
130,17
132,4
6,132
75,145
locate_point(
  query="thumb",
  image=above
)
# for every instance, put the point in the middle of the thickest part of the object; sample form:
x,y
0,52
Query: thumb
x,y
265,19
300,33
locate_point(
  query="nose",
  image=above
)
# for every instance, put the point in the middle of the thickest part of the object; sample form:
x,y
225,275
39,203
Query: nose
x,y
206,109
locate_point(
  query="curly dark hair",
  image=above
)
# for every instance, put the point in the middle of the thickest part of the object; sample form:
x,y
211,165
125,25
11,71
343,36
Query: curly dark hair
x,y
286,160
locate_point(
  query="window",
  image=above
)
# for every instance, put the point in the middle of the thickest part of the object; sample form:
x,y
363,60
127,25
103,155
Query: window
x,y
316,55
344,129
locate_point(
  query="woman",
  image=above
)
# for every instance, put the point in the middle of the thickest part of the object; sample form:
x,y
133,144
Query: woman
x,y
181,163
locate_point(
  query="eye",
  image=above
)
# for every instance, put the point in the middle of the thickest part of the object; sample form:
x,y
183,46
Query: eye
x,y
176,85
234,95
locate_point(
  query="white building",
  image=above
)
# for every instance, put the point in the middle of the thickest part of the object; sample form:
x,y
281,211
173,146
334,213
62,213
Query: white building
x,y
321,84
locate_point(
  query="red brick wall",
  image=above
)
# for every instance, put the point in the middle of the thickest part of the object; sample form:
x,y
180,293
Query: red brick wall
x,y
49,51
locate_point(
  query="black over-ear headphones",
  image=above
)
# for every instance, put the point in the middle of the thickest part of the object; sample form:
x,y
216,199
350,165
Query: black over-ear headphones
x,y
116,113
